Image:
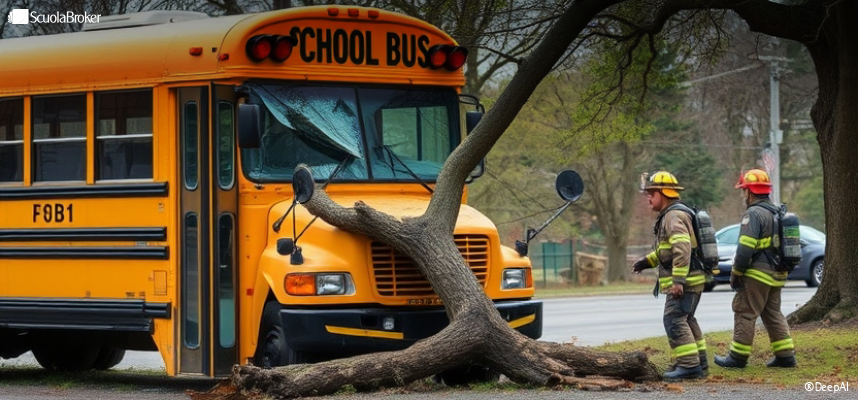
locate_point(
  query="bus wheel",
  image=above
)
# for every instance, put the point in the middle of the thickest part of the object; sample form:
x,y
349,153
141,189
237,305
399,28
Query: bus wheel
x,y
70,357
272,349
463,376
108,357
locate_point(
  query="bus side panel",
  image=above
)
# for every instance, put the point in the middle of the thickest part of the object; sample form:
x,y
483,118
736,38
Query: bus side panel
x,y
86,248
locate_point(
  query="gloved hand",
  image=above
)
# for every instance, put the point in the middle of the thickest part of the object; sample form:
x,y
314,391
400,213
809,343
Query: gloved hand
x,y
676,290
736,282
640,265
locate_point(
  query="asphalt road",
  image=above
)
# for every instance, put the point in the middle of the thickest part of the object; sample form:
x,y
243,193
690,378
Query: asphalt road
x,y
596,320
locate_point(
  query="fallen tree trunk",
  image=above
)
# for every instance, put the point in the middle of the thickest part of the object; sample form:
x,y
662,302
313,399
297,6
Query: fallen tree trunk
x,y
521,359
476,335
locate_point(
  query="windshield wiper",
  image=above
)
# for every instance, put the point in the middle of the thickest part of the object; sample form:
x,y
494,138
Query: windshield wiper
x,y
410,172
276,225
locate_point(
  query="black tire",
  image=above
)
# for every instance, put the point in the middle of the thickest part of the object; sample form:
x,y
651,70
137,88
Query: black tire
x,y
708,286
464,376
108,357
67,357
272,349
814,277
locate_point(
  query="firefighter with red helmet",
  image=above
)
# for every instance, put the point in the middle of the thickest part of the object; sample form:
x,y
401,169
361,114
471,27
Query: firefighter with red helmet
x,y
757,279
677,276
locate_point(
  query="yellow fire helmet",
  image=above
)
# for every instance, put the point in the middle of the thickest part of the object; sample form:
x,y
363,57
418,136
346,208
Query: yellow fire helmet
x,y
663,181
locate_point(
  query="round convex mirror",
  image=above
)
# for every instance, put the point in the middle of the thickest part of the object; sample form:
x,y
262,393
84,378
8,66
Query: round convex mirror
x,y
569,185
302,184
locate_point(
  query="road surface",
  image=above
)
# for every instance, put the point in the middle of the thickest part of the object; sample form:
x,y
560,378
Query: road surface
x,y
596,320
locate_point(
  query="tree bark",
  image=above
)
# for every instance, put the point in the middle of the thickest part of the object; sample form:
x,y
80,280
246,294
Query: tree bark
x,y
476,334
835,54
617,266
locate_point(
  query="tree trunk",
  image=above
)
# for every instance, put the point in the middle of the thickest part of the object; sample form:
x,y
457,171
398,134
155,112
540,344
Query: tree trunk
x,y
476,334
617,267
835,55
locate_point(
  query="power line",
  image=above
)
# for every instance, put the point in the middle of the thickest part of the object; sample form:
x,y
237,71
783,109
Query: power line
x,y
513,190
529,216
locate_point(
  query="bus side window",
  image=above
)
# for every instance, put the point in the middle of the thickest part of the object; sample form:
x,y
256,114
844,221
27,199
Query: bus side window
x,y
11,140
189,134
124,135
225,145
59,137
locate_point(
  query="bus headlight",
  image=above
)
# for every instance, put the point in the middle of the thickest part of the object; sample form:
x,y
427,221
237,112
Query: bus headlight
x,y
330,284
514,278
311,284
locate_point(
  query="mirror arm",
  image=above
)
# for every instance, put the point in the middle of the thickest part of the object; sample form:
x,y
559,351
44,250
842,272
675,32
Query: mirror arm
x,y
276,225
522,247
531,233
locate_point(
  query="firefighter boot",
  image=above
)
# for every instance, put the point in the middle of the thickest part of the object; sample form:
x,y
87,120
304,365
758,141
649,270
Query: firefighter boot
x,y
730,361
680,373
704,363
782,362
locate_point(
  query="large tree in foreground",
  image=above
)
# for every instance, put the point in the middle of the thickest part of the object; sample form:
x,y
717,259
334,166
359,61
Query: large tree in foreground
x,y
476,333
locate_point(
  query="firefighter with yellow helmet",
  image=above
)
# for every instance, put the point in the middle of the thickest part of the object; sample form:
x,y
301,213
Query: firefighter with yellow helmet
x,y
682,283
757,279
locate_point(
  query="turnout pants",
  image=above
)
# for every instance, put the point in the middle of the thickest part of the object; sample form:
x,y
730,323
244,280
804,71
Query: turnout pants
x,y
683,334
759,300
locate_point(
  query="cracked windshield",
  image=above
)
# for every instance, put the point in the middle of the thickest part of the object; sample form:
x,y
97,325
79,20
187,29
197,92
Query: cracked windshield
x,y
375,133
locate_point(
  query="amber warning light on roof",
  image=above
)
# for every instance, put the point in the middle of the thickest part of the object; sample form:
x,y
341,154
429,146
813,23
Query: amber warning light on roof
x,y
337,46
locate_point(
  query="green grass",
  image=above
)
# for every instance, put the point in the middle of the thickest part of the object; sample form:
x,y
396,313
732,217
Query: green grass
x,y
575,290
826,355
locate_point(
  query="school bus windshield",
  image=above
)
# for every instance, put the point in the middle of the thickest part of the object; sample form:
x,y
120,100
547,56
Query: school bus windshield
x,y
379,134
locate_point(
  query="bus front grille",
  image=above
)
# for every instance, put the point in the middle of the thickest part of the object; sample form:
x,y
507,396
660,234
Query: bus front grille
x,y
397,275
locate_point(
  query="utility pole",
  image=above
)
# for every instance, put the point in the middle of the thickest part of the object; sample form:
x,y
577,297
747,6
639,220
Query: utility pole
x,y
776,135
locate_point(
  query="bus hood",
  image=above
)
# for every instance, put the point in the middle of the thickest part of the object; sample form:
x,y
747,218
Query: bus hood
x,y
398,206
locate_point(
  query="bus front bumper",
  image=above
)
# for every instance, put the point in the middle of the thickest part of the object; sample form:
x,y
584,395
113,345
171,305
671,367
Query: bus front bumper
x,y
355,331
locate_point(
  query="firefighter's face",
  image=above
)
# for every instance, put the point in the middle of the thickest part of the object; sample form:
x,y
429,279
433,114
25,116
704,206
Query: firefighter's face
x,y
656,200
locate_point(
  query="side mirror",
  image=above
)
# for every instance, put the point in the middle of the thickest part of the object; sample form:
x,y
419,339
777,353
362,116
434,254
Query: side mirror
x,y
249,126
285,246
303,184
472,118
570,187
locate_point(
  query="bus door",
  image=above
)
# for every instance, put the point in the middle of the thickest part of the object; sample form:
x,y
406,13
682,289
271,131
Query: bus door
x,y
225,223
207,331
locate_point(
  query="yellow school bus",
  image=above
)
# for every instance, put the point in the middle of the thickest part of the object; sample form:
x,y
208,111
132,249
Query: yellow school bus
x,y
137,214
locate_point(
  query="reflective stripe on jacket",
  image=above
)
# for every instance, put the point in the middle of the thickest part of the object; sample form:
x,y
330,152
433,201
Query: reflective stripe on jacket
x,y
755,253
674,242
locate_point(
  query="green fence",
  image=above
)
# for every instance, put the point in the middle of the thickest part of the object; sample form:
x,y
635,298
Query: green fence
x,y
554,262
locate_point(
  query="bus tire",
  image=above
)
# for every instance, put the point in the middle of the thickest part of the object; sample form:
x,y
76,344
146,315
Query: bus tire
x,y
464,376
272,349
108,357
67,357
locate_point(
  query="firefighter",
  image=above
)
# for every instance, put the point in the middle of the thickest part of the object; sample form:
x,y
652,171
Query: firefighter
x,y
676,278
756,279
